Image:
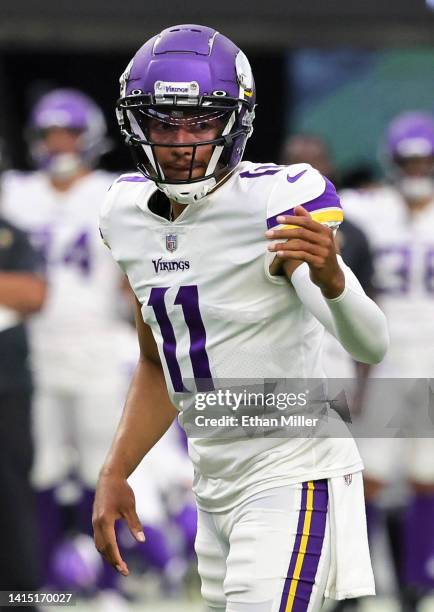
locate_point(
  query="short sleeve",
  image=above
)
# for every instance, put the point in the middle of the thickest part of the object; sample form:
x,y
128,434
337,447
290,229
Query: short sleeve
x,y
302,185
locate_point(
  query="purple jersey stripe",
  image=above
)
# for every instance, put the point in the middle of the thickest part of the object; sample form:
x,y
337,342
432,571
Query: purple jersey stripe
x,y
295,550
314,547
329,198
132,179
312,556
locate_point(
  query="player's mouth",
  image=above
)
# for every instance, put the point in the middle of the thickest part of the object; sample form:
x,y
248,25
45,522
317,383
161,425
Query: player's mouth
x,y
176,171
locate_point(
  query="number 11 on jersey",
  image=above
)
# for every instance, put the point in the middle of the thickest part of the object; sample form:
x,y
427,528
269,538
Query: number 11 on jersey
x,y
188,299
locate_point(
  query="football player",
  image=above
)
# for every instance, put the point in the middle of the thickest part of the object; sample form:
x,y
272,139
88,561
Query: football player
x,y
78,380
278,518
403,248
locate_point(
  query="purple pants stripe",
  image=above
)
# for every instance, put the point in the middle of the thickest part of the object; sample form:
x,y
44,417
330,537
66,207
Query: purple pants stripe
x,y
307,549
296,548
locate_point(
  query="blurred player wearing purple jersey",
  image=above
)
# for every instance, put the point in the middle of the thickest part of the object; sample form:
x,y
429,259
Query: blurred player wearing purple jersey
x,y
212,303
398,219
77,374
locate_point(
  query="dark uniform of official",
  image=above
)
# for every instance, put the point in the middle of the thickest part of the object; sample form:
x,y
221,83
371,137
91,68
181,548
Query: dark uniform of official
x,y
18,566
356,253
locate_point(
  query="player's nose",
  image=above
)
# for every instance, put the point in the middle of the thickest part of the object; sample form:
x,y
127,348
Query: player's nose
x,y
182,136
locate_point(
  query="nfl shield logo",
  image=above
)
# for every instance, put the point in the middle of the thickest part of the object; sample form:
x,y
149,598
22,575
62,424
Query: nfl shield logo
x,y
348,479
171,242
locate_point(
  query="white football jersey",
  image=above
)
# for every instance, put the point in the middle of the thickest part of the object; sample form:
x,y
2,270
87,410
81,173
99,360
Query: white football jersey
x,y
83,281
216,313
403,251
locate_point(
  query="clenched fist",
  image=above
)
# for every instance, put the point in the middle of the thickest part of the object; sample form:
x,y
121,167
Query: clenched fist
x,y
309,241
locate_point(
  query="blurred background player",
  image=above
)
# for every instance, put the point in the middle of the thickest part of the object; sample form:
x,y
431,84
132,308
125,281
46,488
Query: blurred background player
x,y
78,378
398,219
354,246
22,292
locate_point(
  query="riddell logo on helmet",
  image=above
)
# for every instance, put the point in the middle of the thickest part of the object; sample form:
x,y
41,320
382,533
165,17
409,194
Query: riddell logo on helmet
x,y
170,88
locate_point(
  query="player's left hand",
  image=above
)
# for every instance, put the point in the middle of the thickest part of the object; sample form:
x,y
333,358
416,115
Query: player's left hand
x,y
309,241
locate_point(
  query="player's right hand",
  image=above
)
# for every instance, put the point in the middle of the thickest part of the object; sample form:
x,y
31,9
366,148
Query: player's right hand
x,y
114,499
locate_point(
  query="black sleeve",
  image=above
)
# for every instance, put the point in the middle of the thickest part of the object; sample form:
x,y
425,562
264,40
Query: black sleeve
x,y
356,252
16,252
365,267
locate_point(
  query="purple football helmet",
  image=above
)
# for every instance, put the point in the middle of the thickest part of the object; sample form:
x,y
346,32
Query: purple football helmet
x,y
188,73
73,110
411,134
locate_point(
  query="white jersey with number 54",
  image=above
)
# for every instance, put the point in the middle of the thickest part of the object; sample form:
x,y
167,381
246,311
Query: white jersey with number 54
x,y
83,282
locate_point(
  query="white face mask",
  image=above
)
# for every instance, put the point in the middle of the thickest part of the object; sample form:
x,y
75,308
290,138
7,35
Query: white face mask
x,y
63,166
416,187
189,193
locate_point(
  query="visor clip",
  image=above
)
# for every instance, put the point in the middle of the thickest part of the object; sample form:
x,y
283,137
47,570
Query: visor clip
x,y
129,139
227,140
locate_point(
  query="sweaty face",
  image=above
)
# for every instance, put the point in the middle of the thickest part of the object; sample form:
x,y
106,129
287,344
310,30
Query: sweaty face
x,y
177,134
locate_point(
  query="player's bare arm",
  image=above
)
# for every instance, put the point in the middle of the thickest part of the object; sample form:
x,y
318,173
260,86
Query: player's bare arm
x,y
313,243
147,415
22,291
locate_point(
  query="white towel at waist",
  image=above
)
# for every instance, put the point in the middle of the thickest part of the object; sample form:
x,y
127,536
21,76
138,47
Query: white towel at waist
x,y
350,564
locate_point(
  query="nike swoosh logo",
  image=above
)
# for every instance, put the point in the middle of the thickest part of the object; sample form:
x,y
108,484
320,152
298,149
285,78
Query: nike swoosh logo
x,y
293,179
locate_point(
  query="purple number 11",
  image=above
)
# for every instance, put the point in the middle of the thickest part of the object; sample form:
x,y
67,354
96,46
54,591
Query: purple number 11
x,y
188,298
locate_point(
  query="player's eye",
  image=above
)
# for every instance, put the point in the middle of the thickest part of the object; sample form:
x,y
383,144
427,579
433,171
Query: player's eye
x,y
164,127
